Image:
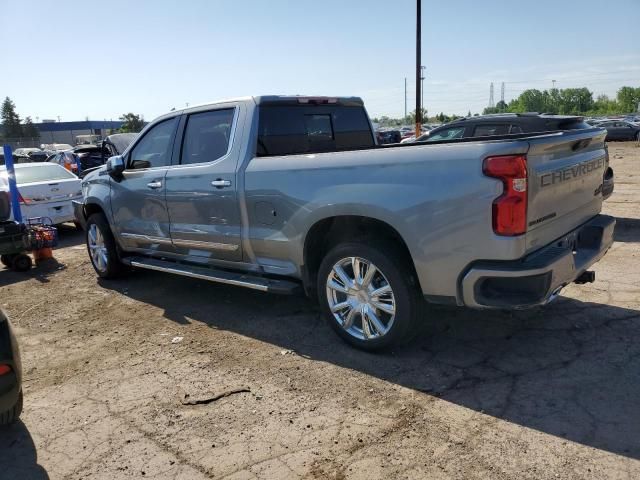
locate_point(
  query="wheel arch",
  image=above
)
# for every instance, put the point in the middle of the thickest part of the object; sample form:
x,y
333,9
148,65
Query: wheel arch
x,y
328,232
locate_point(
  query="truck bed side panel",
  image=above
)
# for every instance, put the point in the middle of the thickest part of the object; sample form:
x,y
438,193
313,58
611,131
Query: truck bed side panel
x,y
434,196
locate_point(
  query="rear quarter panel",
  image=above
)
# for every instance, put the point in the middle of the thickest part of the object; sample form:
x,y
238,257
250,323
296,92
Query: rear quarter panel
x,y
434,196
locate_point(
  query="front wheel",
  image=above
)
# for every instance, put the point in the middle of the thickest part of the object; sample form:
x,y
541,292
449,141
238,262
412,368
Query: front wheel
x,y
102,248
369,295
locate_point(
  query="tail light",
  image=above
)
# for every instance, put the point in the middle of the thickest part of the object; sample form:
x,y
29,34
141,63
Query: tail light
x,y
510,208
4,369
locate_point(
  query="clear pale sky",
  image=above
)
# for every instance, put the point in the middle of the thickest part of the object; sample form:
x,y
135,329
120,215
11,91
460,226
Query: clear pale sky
x,y
77,59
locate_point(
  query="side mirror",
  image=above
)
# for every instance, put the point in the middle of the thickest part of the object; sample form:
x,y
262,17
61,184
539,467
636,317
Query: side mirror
x,y
115,166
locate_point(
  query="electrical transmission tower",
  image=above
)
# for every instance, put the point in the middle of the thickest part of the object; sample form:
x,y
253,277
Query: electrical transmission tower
x,y
502,93
491,102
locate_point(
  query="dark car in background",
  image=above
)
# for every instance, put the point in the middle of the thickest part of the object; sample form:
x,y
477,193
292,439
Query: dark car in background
x,y
503,124
10,374
91,157
621,130
117,143
514,123
112,145
386,137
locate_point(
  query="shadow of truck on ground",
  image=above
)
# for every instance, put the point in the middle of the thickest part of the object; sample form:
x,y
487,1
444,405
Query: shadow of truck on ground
x,y
569,369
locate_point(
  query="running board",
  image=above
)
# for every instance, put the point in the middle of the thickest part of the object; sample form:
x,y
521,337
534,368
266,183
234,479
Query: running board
x,y
283,287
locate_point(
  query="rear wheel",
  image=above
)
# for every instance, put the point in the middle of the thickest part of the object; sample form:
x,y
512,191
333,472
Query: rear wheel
x,y
22,263
102,248
368,294
12,415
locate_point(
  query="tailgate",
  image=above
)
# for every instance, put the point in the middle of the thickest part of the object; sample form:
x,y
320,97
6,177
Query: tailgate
x,y
565,183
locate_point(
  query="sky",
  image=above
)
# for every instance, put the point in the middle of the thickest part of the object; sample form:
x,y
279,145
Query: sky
x,y
78,59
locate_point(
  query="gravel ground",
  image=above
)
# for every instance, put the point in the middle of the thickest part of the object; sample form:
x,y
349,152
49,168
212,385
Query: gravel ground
x,y
115,373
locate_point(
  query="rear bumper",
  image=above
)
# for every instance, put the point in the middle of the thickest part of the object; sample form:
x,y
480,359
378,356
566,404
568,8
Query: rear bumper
x,y
57,213
537,278
10,383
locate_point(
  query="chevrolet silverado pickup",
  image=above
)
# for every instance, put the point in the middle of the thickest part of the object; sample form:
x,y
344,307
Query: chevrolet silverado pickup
x,y
284,194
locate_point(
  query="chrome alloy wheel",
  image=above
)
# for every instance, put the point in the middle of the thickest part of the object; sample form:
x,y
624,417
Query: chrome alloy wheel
x,y
360,298
97,248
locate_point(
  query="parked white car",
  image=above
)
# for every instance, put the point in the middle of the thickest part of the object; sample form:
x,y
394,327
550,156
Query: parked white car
x,y
46,190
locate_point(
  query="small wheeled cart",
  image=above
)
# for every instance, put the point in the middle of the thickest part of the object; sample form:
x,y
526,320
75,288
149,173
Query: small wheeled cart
x,y
17,239
14,244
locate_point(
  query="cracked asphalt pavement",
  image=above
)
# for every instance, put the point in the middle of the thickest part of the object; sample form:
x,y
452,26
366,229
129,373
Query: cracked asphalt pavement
x,y
259,387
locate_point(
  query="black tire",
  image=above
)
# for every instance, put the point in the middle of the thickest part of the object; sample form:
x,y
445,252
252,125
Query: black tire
x,y
12,415
400,277
114,268
22,263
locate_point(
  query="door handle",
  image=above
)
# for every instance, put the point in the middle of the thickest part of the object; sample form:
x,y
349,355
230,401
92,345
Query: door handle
x,y
220,183
155,184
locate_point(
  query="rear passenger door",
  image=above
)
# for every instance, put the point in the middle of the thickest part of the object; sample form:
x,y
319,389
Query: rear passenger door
x,y
201,190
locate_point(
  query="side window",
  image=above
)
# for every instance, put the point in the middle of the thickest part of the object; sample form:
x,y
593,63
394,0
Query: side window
x,y
447,134
154,149
515,129
207,136
488,130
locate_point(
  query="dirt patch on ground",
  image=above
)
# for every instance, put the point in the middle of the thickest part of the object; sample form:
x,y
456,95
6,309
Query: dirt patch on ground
x,y
548,393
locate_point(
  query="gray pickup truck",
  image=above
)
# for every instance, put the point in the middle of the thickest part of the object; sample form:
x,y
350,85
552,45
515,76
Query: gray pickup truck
x,y
284,194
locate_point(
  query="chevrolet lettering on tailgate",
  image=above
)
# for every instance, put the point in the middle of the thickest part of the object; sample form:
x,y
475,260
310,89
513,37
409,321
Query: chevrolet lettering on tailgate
x,y
571,172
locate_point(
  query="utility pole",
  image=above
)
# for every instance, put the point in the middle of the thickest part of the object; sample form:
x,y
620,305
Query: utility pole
x,y
405,97
554,84
422,69
491,102
502,93
418,65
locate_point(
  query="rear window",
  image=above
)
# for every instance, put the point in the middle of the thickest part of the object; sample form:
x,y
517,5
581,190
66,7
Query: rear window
x,y
44,173
287,130
488,130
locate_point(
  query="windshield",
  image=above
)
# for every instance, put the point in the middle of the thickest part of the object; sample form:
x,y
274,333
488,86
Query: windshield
x,y
39,173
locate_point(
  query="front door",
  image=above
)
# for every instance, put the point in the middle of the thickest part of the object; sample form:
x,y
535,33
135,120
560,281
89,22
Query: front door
x,y
138,198
201,190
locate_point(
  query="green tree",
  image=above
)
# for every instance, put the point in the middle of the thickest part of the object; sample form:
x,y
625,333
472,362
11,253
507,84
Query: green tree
x,y
132,123
411,118
10,119
29,129
490,110
629,99
605,106
575,101
501,106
